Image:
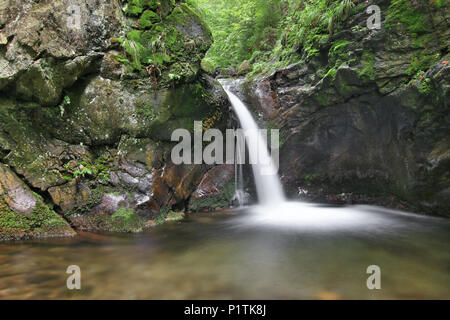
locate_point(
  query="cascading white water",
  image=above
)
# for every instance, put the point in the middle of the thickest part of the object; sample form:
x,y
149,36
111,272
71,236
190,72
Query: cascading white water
x,y
239,195
268,186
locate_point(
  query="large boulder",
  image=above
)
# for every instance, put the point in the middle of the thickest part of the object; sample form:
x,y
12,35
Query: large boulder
x,y
50,44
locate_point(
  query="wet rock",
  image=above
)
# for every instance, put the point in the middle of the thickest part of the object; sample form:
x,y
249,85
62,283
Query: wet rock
x,y
111,68
244,67
146,183
15,193
215,190
46,79
45,27
241,198
128,180
135,170
70,195
102,110
111,203
367,125
214,180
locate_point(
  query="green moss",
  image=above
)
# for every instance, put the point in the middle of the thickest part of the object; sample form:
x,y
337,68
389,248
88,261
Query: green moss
x,y
368,70
145,110
410,14
126,220
180,108
312,178
158,47
207,66
123,220
338,51
344,88
331,73
161,218
94,199
135,7
175,216
426,87
422,41
43,222
439,3
322,98
421,61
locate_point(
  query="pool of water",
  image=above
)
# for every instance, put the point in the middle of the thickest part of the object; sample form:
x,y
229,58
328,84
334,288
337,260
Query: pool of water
x,y
294,251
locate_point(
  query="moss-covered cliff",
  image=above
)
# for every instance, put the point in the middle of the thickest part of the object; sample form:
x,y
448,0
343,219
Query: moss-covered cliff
x,y
364,111
90,92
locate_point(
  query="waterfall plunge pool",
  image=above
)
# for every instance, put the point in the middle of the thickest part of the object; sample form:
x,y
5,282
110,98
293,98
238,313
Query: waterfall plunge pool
x,y
291,251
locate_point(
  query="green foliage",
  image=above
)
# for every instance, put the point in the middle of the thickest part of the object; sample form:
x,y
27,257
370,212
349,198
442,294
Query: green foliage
x,y
338,49
135,7
87,168
439,3
175,216
239,27
148,18
157,42
409,13
42,222
66,102
425,86
83,172
331,73
270,34
422,60
163,214
312,178
125,219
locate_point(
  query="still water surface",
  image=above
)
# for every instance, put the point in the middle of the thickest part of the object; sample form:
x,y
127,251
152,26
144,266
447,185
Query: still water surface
x,y
301,252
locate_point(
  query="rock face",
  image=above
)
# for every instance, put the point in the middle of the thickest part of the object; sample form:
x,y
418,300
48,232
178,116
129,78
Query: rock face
x,y
368,114
90,92
215,190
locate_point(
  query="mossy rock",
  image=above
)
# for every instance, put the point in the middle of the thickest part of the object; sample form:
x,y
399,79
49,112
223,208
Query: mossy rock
x,y
126,220
215,202
167,48
42,223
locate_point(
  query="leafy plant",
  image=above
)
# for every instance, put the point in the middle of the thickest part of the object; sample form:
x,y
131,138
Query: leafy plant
x,y
86,168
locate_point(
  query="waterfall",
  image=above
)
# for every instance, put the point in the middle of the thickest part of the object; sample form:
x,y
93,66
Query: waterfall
x,y
268,186
239,193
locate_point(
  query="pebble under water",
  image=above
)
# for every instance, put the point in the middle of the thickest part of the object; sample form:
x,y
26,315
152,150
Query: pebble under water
x,y
295,251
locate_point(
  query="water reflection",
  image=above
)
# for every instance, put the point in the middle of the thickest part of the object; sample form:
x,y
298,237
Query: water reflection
x,y
309,252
